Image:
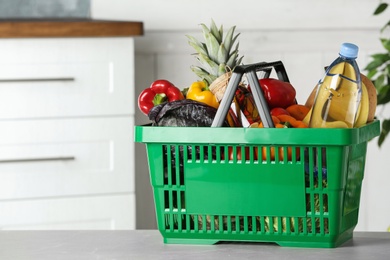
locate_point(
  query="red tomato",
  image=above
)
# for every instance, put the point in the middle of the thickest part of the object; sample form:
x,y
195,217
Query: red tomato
x,y
239,154
276,111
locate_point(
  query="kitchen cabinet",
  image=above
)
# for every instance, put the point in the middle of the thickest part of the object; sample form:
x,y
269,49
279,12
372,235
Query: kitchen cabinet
x,y
66,124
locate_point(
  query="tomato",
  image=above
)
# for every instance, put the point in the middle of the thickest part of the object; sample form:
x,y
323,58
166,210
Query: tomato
x,y
263,155
276,111
239,154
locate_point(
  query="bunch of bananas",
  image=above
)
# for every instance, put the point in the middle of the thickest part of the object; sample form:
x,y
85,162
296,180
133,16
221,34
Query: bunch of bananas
x,y
339,98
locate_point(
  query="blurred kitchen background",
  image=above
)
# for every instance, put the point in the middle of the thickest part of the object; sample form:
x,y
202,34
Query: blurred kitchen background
x,y
305,35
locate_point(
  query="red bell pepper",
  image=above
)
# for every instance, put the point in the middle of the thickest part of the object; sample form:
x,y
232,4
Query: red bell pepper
x,y
277,92
160,91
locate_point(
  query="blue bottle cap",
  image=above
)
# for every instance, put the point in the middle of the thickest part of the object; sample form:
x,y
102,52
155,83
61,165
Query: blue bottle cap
x,y
349,50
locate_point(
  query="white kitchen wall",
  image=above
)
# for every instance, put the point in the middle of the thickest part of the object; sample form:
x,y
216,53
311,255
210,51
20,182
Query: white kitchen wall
x,y
304,34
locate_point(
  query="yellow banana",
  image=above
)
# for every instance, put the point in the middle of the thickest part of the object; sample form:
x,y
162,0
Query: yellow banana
x,y
343,104
333,103
319,121
306,120
362,114
349,72
364,106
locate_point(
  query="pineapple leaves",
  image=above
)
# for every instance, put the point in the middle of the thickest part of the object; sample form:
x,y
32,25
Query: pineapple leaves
x,y
198,46
218,34
233,62
217,53
222,54
228,42
213,46
221,32
234,39
203,74
239,60
211,43
222,69
208,64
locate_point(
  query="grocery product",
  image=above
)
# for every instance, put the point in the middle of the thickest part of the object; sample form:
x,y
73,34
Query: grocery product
x,y
160,91
339,92
217,55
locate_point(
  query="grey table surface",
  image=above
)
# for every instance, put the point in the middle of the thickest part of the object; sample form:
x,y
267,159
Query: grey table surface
x,y
148,244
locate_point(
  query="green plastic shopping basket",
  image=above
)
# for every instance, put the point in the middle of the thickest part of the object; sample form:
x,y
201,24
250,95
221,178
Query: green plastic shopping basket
x,y
215,184
203,195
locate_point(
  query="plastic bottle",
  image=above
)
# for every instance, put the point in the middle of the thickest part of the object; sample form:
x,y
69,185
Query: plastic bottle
x,y
339,92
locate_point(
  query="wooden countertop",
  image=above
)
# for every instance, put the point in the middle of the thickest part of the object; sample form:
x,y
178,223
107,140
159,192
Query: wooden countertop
x,y
68,28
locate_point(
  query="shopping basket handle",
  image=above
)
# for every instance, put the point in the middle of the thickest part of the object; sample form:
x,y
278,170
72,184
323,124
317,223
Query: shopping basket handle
x,y
257,92
266,67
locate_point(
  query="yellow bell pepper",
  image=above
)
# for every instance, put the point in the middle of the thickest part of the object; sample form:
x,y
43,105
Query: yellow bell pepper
x,y
198,91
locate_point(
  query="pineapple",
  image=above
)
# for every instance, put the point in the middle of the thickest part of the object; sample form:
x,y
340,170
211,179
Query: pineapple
x,y
216,55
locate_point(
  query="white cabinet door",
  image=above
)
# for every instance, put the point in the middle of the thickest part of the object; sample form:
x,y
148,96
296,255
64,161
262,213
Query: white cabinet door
x,y
66,157
66,133
46,78
101,212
